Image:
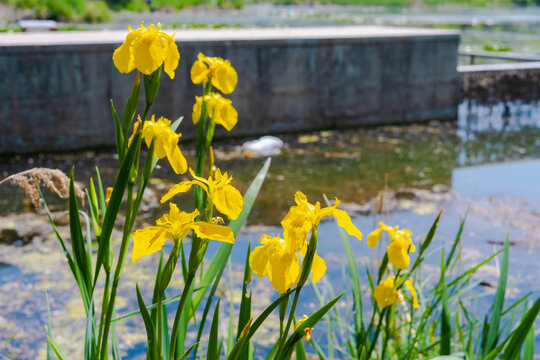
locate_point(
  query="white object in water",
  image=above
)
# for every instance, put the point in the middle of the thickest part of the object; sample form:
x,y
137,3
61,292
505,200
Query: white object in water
x,y
38,25
265,146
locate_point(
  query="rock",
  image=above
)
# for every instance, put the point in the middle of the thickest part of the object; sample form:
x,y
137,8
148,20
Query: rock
x,y
20,229
264,146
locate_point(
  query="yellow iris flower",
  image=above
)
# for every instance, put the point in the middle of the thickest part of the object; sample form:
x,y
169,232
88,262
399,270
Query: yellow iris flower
x,y
386,293
281,263
220,71
221,193
175,226
399,247
307,331
304,216
146,49
220,110
166,143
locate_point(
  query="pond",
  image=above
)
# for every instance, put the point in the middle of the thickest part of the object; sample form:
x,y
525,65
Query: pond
x,y
485,164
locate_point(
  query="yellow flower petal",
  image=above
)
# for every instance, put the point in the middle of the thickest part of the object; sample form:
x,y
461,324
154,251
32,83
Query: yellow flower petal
x,y
176,159
385,293
147,49
344,220
199,72
284,271
397,254
318,268
374,237
197,108
147,241
228,201
172,57
225,77
213,231
182,187
409,285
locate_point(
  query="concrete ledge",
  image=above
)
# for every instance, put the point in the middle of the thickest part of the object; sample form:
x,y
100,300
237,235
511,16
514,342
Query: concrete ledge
x,y
56,87
492,83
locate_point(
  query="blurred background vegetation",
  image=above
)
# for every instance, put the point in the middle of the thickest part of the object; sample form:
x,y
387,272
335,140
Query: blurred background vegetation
x,y
92,11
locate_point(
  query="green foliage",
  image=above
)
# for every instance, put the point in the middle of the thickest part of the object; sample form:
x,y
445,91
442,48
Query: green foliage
x,y
65,10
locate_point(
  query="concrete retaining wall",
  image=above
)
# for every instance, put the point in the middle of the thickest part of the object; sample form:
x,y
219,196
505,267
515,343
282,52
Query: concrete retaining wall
x,y
55,88
493,83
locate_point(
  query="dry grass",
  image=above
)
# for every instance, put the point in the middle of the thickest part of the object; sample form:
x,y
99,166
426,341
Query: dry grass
x,y
53,179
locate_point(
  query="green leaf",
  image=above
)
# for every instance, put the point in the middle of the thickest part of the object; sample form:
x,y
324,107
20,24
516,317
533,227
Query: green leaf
x,y
49,327
519,335
456,242
244,338
90,345
446,329
153,348
151,86
497,308
212,352
117,355
427,241
186,354
120,142
55,348
131,105
308,323
101,193
77,241
528,351
114,204
300,351
245,304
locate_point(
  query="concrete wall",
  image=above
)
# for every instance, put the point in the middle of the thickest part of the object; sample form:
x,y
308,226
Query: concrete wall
x,y
493,83
55,89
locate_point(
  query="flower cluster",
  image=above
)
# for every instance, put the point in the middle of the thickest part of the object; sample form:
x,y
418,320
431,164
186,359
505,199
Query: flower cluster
x,y
165,142
146,49
220,74
278,257
386,292
220,110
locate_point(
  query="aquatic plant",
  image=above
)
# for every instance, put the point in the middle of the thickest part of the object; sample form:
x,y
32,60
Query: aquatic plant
x,y
393,331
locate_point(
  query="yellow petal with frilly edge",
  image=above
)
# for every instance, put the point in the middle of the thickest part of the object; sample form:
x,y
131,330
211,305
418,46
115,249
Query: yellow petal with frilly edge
x,y
199,72
213,232
182,187
397,253
228,201
172,58
284,271
174,155
344,221
409,285
147,241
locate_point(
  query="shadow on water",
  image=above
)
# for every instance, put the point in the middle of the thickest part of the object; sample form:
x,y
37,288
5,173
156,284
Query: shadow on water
x,y
488,162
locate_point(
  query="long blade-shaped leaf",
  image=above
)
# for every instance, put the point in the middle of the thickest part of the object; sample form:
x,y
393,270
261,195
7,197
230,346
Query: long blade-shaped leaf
x,y
497,308
310,322
77,241
153,347
114,203
212,352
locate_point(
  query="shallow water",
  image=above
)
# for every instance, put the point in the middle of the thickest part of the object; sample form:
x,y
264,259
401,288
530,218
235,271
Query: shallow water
x,y
486,163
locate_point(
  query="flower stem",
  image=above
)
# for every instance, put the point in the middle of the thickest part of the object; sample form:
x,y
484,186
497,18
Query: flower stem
x,y
289,322
118,271
183,298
